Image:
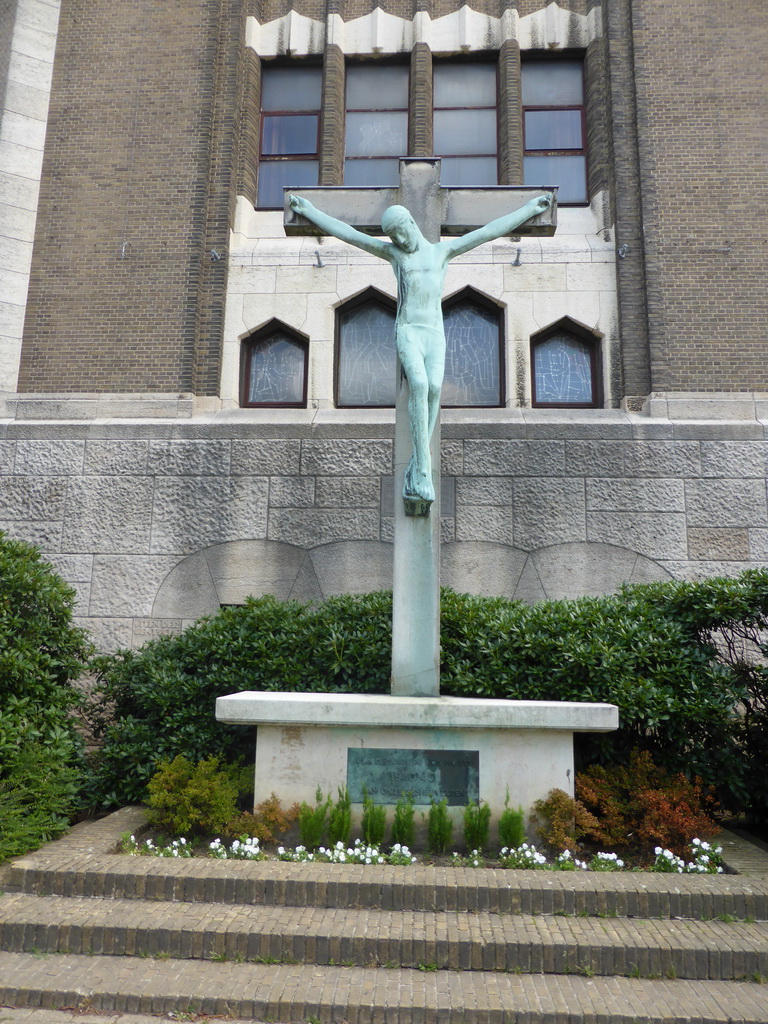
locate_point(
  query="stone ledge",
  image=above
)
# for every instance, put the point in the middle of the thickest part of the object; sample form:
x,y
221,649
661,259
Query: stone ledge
x,y
384,710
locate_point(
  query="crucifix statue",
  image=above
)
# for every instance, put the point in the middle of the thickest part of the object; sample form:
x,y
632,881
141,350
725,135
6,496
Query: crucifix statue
x,y
419,259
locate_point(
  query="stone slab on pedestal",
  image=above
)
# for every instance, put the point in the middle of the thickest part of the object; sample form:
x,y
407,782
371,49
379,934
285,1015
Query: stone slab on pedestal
x,y
395,744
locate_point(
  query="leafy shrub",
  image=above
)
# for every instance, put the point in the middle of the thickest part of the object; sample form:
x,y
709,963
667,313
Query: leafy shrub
x,y
562,821
477,821
188,799
402,822
157,702
641,804
266,822
637,806
41,655
439,826
37,798
684,662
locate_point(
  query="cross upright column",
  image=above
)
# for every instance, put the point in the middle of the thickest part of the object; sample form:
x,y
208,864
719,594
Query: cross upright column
x,y
416,578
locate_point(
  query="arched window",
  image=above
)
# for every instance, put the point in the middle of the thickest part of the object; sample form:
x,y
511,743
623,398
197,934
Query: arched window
x,y
274,368
474,360
565,367
366,356
365,351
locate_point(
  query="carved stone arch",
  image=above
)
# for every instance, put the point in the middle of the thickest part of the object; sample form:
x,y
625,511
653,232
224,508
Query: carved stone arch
x,y
566,366
364,351
475,370
274,366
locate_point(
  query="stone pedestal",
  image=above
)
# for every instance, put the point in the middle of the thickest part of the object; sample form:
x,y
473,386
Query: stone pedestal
x,y
459,748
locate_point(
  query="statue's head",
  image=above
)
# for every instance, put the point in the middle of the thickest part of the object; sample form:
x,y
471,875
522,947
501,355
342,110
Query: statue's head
x,y
398,223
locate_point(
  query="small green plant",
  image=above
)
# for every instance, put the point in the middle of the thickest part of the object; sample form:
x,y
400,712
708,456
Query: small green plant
x,y
192,798
402,823
340,819
439,826
511,825
477,821
374,821
312,820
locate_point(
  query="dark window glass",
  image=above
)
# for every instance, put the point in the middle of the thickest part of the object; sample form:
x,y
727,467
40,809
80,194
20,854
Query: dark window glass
x,y
376,133
290,124
285,134
465,123
275,371
367,359
565,370
553,123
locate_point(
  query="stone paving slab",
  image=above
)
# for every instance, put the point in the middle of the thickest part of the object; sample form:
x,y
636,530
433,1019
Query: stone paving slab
x,y
360,996
453,940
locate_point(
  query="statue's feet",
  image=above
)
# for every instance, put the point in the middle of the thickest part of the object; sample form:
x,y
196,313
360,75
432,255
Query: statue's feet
x,y
418,492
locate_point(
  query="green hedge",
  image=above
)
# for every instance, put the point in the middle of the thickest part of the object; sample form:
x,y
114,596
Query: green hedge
x,y
41,653
667,654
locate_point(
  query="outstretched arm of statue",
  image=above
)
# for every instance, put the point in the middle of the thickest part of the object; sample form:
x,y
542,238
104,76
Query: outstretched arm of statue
x,y
501,226
331,226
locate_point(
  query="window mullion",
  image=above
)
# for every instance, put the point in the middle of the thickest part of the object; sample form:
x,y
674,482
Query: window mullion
x,y
510,114
332,117
420,102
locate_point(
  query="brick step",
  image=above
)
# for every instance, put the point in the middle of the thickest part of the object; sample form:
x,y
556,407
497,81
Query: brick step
x,y
419,887
455,940
366,996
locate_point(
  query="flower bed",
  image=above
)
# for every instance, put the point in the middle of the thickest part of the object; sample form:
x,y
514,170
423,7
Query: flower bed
x,y
704,858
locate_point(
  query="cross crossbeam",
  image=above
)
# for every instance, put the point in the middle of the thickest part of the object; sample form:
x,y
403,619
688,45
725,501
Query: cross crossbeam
x,y
436,209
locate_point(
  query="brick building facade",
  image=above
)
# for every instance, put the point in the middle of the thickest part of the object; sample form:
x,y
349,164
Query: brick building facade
x,y
144,274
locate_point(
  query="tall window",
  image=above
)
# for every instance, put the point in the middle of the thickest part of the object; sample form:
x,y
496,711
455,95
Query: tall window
x,y
565,367
365,352
473,352
290,128
464,126
274,368
366,358
554,127
376,123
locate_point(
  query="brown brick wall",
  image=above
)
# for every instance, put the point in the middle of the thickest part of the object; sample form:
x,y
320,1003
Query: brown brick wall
x,y
621,112
702,90
120,296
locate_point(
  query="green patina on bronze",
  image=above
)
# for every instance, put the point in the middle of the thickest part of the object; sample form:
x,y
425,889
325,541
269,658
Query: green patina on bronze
x,y
419,266
389,774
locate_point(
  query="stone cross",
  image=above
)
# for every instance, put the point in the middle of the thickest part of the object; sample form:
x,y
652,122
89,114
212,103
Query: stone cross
x,y
437,211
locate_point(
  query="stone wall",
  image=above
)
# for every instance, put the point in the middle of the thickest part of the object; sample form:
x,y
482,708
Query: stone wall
x,y
156,522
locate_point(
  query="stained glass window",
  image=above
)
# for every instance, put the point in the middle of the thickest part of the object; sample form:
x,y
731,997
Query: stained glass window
x,y
275,370
366,356
565,370
472,356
